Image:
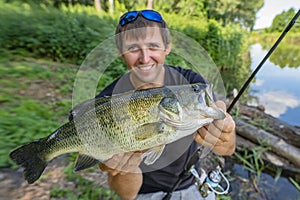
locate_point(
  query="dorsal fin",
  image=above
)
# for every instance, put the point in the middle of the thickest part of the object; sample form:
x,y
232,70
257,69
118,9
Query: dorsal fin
x,y
86,106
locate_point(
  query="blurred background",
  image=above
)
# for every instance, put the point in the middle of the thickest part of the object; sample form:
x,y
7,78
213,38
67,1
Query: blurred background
x,y
44,42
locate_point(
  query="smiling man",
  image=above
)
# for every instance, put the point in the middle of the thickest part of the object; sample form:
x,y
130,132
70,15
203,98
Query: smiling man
x,y
143,42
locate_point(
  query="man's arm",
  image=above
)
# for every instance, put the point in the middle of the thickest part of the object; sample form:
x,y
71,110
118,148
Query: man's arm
x,y
125,176
219,135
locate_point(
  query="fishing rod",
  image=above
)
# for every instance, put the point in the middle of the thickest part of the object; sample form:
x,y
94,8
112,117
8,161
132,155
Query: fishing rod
x,y
288,27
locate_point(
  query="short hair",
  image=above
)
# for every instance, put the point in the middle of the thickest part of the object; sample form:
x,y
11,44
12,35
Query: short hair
x,y
138,29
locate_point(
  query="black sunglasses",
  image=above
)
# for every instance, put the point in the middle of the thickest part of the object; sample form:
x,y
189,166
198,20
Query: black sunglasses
x,y
147,14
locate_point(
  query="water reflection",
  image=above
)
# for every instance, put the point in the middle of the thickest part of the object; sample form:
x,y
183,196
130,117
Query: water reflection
x,y
277,84
287,54
278,102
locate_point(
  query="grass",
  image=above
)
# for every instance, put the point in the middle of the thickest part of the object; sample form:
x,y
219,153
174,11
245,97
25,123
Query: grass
x,y
85,189
252,160
27,113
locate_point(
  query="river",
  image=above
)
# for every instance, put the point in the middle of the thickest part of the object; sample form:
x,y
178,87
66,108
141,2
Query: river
x,y
277,84
276,87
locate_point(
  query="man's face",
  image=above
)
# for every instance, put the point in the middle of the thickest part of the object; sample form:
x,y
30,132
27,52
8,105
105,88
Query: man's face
x,y
145,56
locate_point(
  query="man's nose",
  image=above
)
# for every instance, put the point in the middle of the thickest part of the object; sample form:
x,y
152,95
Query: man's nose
x,y
144,55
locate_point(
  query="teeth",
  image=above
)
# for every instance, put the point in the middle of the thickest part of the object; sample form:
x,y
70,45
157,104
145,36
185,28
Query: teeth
x,y
145,68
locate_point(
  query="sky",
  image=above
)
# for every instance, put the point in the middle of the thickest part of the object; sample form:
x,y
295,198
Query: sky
x,y
272,8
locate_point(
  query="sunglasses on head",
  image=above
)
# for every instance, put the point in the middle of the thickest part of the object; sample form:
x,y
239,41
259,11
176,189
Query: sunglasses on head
x,y
147,14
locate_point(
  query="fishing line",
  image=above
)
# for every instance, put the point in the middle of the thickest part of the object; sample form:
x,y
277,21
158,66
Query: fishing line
x,y
289,26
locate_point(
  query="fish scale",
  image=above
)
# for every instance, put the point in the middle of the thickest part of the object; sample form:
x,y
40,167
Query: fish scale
x,y
143,120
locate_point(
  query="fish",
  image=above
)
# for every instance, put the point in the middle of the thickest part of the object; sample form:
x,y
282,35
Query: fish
x,y
141,120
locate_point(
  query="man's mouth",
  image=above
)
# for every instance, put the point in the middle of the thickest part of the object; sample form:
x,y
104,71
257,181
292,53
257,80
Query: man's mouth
x,y
146,68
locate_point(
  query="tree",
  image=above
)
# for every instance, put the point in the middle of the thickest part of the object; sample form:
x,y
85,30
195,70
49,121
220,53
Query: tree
x,y
97,5
193,8
111,6
150,4
233,11
281,21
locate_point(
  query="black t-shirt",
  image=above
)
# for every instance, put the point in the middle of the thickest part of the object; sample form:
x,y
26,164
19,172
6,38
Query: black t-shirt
x,y
163,174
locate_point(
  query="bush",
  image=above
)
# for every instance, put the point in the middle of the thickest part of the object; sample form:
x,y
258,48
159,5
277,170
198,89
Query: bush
x,y
226,45
60,34
70,33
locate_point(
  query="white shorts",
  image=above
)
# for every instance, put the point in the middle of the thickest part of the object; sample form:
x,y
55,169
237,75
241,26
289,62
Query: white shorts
x,y
191,193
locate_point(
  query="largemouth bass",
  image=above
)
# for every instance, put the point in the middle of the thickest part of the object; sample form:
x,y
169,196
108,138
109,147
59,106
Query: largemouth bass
x,y
143,120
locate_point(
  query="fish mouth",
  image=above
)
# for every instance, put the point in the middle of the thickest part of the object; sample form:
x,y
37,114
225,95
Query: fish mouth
x,y
214,113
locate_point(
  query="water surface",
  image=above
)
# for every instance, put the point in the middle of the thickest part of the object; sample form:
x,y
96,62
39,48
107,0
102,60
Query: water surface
x,y
277,85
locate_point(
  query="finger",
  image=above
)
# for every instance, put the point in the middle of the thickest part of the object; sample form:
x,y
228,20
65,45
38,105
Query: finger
x,y
226,125
104,168
201,137
132,164
201,141
213,130
114,161
212,135
123,161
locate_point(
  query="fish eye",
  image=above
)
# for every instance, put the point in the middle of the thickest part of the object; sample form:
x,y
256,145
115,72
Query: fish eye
x,y
196,88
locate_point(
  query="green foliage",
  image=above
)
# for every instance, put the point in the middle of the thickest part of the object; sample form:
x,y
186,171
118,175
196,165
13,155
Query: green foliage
x,y
85,189
226,45
187,8
23,116
70,33
66,34
287,53
252,159
232,11
26,113
282,20
290,58
22,122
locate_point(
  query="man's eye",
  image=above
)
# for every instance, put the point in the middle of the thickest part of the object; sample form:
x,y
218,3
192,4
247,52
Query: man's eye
x,y
133,48
154,46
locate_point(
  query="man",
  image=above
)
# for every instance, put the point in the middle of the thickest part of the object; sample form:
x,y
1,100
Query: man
x,y
143,42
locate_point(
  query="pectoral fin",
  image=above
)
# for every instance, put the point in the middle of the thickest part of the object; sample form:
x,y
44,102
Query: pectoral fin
x,y
153,154
147,131
85,161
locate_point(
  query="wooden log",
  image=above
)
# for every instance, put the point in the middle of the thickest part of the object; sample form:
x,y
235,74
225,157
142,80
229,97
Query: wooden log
x,y
276,144
288,132
270,159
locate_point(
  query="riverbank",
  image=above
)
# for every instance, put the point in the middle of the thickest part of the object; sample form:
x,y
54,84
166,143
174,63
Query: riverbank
x,y
36,97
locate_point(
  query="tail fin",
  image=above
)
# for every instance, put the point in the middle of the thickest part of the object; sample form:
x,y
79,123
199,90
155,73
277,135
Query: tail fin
x,y
27,156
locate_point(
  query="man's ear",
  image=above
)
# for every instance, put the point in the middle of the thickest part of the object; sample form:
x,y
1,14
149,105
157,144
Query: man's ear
x,y
120,54
168,48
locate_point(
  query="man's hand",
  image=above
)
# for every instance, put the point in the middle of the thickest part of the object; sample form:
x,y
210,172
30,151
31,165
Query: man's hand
x,y
125,176
219,135
122,163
